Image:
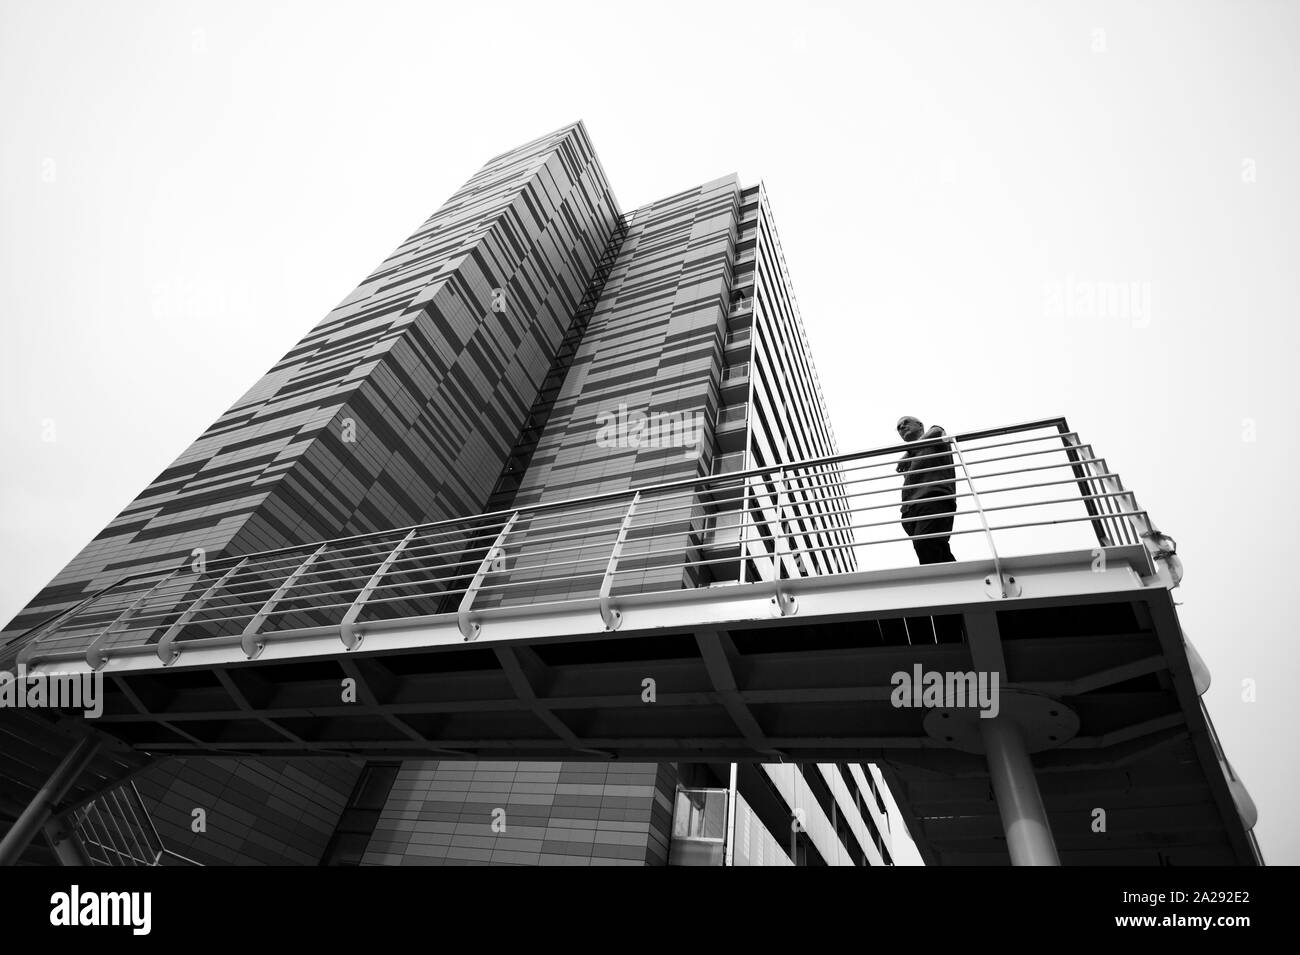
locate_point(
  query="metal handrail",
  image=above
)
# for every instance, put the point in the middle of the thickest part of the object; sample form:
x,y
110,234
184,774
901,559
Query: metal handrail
x,y
116,829
808,517
988,533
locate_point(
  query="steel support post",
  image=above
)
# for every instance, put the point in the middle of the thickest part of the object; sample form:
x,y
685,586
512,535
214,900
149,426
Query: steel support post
x,y
1024,820
65,843
41,808
1029,836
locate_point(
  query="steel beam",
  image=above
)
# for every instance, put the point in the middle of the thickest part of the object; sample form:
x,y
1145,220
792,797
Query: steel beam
x,y
513,667
718,663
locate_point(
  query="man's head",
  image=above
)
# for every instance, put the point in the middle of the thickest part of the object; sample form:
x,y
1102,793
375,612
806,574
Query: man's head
x,y
909,428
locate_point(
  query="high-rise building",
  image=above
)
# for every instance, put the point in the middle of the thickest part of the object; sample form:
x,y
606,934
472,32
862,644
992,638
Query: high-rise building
x,y
530,342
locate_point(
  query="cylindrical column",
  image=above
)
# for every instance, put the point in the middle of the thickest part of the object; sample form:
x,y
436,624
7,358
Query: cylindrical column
x,y
1029,837
730,857
41,808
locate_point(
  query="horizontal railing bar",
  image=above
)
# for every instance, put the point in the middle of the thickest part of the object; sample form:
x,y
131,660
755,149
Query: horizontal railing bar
x,y
863,526
633,555
815,505
294,595
806,482
611,496
1062,520
658,567
812,550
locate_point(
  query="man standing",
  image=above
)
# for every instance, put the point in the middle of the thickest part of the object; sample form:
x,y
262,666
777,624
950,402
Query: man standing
x,y
929,491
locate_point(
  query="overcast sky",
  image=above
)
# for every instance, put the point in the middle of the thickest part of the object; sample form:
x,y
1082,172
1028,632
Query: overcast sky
x,y
188,187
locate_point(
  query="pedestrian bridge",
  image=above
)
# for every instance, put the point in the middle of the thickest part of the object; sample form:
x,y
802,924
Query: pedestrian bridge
x,y
750,615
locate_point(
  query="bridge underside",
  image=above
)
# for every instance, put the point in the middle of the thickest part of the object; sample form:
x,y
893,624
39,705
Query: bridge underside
x,y
32,744
1139,781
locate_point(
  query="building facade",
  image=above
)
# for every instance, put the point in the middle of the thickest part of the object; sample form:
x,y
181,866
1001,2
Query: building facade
x,y
528,342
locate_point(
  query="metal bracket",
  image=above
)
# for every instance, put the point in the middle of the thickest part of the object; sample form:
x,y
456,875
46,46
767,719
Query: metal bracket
x,y
1161,546
1164,556
348,631
1004,587
468,628
783,602
248,639
613,619
167,653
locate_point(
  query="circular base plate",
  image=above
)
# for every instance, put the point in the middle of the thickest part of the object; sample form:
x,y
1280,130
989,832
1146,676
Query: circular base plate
x,y
1044,722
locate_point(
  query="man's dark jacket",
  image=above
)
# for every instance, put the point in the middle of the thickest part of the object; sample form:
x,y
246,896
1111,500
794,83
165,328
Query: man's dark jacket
x,y
927,471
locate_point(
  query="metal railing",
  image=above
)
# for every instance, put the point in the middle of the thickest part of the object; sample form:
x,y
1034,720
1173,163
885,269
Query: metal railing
x,y
729,415
115,829
1032,488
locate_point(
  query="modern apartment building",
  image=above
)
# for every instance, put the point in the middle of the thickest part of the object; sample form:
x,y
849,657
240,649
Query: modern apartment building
x,y
530,342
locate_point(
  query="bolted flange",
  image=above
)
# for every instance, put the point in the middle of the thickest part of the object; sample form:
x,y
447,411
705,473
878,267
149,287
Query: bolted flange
x,y
1000,587
1044,722
783,604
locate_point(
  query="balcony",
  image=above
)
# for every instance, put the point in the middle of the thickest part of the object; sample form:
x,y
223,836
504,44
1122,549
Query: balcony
x,y
515,634
699,828
736,344
741,307
730,428
735,381
722,540
1018,493
729,463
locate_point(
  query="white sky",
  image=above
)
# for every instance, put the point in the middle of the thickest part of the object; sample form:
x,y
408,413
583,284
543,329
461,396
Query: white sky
x,y
188,187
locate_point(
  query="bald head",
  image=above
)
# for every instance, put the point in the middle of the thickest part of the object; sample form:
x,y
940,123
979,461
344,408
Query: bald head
x,y
909,428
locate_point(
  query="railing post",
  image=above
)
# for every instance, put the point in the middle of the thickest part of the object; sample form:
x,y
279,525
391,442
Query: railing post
x,y
783,602
348,631
1122,527
742,528
613,619
248,639
1005,586
95,656
1074,452
468,628
167,653
32,639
